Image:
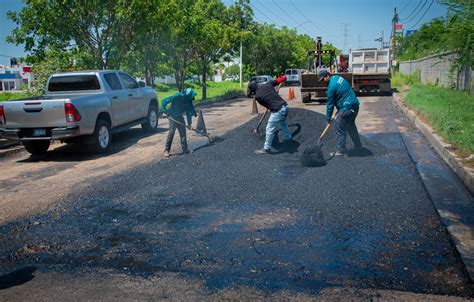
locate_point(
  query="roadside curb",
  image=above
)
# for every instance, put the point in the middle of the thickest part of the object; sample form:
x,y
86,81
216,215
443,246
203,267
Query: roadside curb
x,y
453,203
444,150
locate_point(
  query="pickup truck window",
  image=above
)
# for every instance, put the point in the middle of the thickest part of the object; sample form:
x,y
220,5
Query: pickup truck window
x,y
74,83
128,81
113,81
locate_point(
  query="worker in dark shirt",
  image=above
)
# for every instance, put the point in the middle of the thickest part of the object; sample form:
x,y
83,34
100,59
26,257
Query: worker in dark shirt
x,y
341,96
269,98
174,107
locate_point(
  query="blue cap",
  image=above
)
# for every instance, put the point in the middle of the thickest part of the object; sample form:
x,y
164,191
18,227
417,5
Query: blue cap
x,y
322,72
190,93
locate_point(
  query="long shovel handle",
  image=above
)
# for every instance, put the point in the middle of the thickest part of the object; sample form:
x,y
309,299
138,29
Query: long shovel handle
x,y
190,128
326,129
324,133
261,120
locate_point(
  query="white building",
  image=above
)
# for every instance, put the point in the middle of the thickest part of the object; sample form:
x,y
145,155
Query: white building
x,y
13,78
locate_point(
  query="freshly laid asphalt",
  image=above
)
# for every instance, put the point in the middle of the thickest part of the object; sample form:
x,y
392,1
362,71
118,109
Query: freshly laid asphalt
x,y
233,218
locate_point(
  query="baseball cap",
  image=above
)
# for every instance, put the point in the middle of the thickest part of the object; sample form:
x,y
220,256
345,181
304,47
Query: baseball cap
x,y
322,72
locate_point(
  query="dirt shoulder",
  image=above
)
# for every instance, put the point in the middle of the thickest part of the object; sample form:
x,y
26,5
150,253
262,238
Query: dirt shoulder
x,y
30,185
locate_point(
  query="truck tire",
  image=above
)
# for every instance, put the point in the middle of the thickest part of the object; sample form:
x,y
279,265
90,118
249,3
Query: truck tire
x,y
37,147
305,97
102,137
151,124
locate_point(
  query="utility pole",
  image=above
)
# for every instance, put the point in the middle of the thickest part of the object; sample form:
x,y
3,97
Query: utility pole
x,y
394,35
345,34
241,48
381,41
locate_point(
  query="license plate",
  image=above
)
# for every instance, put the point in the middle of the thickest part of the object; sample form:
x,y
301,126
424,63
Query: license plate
x,y
39,132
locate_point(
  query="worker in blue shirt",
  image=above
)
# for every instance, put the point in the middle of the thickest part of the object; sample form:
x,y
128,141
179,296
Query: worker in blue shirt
x,y
174,107
341,96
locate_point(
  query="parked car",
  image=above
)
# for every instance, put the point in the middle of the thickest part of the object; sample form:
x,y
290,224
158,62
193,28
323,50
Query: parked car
x,y
80,106
293,76
256,81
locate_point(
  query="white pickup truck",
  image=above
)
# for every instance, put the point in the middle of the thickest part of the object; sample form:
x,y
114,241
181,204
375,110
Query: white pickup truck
x,y
80,106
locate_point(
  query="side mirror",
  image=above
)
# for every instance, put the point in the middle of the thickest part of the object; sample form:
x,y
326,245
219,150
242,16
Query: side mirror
x,y
141,84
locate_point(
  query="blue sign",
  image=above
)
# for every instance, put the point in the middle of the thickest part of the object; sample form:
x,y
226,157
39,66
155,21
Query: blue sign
x,y
410,32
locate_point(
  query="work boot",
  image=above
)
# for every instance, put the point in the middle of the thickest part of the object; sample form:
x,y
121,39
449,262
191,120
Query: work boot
x,y
186,151
338,154
166,153
263,151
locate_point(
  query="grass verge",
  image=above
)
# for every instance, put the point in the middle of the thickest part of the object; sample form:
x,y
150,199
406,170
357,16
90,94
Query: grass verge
x,y
6,96
450,112
215,91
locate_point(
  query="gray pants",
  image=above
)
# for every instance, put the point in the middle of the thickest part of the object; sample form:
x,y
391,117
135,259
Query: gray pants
x,y
345,123
182,133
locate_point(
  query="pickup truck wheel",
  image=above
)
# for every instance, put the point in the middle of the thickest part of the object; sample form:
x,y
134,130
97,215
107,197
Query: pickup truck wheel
x,y
151,123
37,147
102,137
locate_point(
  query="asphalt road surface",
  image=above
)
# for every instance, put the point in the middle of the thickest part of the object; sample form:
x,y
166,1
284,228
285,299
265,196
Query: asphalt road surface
x,y
236,222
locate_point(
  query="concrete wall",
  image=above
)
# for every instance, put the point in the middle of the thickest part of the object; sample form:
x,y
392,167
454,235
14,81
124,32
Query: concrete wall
x,y
436,70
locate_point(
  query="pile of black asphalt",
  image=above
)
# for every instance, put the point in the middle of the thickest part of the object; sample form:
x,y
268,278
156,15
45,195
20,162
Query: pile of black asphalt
x,y
232,218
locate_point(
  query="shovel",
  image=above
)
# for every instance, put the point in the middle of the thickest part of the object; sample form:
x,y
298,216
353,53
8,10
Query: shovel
x,y
255,130
191,128
313,156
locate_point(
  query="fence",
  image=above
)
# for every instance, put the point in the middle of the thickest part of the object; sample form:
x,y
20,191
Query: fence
x,y
437,70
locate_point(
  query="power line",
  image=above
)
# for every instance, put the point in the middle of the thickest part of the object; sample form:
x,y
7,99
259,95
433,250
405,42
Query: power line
x,y
301,13
263,14
276,4
408,3
432,1
416,15
413,11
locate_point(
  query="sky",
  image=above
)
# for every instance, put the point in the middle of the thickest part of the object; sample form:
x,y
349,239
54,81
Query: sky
x,y
344,23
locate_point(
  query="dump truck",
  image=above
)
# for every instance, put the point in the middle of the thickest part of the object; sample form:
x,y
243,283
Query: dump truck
x,y
368,70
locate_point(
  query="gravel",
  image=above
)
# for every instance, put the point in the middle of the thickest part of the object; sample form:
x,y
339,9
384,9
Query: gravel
x,y
234,218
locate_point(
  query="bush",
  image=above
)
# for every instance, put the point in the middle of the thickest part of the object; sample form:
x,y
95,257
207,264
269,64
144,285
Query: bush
x,y
400,79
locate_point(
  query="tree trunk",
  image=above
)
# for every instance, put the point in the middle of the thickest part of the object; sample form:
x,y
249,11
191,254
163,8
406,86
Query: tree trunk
x,y
204,74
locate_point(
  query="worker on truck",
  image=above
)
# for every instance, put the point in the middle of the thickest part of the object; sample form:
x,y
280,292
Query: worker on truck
x,y
269,98
340,95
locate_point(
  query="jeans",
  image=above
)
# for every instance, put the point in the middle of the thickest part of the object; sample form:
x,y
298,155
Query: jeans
x,y
276,120
182,133
345,123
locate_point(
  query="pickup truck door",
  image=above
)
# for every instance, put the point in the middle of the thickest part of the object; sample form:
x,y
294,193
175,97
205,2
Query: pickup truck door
x,y
118,99
136,98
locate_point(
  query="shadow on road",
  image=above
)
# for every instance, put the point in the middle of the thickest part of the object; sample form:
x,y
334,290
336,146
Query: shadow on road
x,y
18,277
75,152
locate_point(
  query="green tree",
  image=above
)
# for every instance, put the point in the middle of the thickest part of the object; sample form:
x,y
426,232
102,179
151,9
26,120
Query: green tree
x,y
212,35
54,60
146,56
100,29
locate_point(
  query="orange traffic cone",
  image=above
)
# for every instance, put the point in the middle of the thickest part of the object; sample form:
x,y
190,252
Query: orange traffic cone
x,y
291,94
201,126
254,107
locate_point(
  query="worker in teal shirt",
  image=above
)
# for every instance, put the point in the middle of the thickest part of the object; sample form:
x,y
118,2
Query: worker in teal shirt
x,y
174,107
341,96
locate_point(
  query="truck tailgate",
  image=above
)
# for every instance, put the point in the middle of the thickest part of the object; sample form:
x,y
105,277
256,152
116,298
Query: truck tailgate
x,y
35,113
